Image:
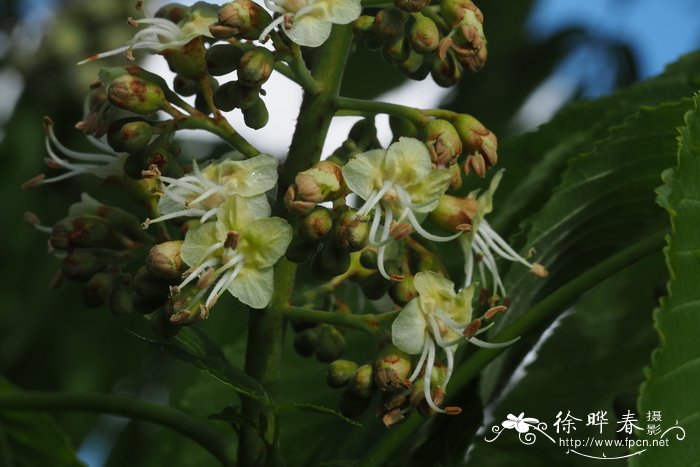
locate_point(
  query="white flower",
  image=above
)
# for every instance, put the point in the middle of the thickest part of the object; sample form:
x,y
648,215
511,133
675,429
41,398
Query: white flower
x,y
483,241
102,165
398,184
201,193
309,22
438,316
236,253
161,34
520,423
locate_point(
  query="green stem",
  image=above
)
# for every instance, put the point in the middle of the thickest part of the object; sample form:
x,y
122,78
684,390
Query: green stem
x,y
368,322
367,107
259,446
302,73
220,127
197,430
535,317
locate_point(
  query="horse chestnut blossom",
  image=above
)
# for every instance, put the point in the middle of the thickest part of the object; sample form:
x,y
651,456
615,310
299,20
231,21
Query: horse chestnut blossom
x,y
234,253
438,316
309,22
201,193
162,33
399,184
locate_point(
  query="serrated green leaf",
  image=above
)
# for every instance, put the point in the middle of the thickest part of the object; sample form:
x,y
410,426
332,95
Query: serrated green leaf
x,y
30,439
194,347
674,376
604,202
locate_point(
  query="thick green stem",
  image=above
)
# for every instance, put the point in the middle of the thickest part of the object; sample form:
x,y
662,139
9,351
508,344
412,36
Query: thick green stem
x,y
535,317
367,107
197,430
259,446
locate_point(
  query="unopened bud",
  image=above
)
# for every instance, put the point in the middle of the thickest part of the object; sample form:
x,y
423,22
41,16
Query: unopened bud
x,y
363,27
149,287
330,343
81,232
352,405
446,72
98,288
362,382
443,142
188,61
242,19
129,136
351,233
396,50
417,66
473,62
368,258
456,11
233,95
256,116
453,213
120,301
477,138
322,182
411,5
423,34
402,127
391,369
404,291
300,250
305,341
164,261
475,163
80,265
340,372
317,225
389,23
296,205
255,67
456,180
374,286
185,86
223,59
135,95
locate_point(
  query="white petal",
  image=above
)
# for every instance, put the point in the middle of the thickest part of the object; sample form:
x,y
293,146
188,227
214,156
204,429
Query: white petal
x,y
408,329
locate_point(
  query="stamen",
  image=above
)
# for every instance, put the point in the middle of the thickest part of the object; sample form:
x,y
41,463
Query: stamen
x,y
273,24
195,273
81,156
173,215
211,191
450,354
419,365
209,214
429,365
374,199
492,345
425,234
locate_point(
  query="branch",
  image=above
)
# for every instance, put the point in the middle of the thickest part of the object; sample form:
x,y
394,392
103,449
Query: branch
x,y
417,116
194,428
367,322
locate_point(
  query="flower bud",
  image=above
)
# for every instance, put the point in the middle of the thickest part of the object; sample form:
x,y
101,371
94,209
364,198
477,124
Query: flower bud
x,y
300,250
98,288
233,94
223,59
322,182
81,264
374,286
257,116
340,372
411,5
477,138
185,86
129,135
404,291
81,232
455,213
255,67
352,405
120,301
148,287
391,369
423,34
317,224
417,66
305,341
331,261
363,27
389,23
443,142
296,205
475,163
456,180
456,11
351,233
368,258
330,343
174,12
164,261
135,95
188,61
396,50
242,19
362,382
446,72
475,61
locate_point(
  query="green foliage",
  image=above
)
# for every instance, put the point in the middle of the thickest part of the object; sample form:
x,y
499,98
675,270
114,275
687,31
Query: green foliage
x,y
29,439
674,372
